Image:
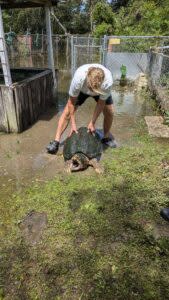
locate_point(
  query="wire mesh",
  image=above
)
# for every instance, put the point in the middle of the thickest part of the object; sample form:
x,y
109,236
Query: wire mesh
x,y
132,52
31,51
159,68
85,50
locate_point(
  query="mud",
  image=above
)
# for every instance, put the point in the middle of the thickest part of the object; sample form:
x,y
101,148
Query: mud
x,y
32,226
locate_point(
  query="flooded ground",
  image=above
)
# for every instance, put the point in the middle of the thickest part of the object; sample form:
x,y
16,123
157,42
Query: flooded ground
x,y
23,157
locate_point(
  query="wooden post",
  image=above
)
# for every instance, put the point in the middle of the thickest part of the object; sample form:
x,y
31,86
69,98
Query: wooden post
x,y
4,55
49,44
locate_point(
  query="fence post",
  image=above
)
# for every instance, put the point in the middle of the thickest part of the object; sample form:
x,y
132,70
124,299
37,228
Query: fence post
x,y
104,50
72,56
155,65
67,51
49,44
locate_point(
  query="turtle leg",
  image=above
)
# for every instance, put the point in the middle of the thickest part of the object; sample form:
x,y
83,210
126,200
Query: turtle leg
x,y
68,166
94,163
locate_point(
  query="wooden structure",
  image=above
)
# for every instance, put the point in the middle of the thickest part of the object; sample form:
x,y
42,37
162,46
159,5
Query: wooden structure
x,y
22,102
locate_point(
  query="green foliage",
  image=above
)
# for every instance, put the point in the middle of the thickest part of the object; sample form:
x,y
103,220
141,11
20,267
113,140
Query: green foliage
x,y
103,18
102,29
22,19
102,13
143,18
164,80
125,17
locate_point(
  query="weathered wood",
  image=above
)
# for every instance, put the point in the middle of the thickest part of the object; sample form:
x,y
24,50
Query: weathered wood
x,y
3,116
18,108
9,105
26,4
21,105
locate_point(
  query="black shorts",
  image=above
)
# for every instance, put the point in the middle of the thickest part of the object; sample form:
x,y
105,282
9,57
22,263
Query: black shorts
x,y
82,98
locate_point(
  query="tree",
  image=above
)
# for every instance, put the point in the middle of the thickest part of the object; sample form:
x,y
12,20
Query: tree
x,y
104,19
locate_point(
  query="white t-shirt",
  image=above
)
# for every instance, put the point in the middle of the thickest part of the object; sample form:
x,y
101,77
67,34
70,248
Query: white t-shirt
x,y
79,83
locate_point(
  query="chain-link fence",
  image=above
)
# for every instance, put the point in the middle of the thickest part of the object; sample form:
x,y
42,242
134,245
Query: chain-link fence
x,y
31,50
131,52
85,50
116,52
159,76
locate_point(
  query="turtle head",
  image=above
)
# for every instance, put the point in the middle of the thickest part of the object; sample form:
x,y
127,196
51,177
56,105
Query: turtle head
x,y
79,161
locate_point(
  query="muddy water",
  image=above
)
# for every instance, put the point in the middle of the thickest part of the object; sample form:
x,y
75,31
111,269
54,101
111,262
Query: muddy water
x,y
23,158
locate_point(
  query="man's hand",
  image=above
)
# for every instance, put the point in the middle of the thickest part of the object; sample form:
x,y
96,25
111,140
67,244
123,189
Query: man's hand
x,y
73,129
91,127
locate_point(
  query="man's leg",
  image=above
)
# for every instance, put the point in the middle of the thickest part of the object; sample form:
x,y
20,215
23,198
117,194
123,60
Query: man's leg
x,y
53,146
107,123
108,119
63,123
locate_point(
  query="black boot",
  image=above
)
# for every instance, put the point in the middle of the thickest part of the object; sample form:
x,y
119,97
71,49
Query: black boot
x,y
53,147
165,213
109,142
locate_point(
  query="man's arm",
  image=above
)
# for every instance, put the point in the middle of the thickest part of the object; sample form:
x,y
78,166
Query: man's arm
x,y
98,109
72,108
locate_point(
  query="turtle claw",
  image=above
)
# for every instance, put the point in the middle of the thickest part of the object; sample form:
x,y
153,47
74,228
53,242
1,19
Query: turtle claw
x,y
99,170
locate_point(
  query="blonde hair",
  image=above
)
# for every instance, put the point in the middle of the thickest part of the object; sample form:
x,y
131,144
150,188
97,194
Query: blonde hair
x,y
95,77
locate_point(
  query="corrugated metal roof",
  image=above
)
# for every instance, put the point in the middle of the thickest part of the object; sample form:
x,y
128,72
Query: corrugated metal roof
x,y
8,4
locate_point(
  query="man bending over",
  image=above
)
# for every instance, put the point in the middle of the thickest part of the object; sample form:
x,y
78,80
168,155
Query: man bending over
x,y
90,80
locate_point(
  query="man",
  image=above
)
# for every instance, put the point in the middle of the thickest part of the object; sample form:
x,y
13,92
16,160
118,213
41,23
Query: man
x,y
90,80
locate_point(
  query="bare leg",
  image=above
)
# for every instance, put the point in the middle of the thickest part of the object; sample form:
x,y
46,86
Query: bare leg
x,y
108,119
63,123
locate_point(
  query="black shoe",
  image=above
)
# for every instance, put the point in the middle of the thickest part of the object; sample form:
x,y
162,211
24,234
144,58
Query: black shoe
x,y
109,142
165,213
53,147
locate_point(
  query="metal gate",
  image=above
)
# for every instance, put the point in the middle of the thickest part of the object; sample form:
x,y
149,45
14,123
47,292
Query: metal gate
x,y
85,50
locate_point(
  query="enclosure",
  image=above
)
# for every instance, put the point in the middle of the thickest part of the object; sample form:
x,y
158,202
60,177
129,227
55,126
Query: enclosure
x,y
30,94
21,99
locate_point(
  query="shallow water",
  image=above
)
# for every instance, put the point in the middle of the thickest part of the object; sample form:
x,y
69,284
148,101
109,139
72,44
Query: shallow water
x,y
23,158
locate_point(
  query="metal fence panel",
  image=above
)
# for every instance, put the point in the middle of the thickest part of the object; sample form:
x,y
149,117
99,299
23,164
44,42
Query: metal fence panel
x,y
85,50
31,50
130,51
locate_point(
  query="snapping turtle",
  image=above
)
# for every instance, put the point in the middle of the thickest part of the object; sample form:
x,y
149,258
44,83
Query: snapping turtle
x,y
81,150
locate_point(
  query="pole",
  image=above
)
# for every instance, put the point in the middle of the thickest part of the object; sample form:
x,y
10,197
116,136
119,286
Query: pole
x,y
104,50
72,56
49,44
4,55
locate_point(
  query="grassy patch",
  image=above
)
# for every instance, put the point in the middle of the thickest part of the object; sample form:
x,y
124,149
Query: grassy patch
x,y
100,241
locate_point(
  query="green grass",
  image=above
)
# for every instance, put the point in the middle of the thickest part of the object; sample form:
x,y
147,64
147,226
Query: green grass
x,y
100,240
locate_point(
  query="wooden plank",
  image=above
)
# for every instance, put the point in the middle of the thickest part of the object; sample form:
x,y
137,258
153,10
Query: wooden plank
x,y
32,119
3,117
26,106
8,100
18,108
23,103
26,4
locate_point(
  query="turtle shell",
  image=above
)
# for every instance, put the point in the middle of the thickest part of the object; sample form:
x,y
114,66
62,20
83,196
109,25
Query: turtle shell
x,y
82,142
